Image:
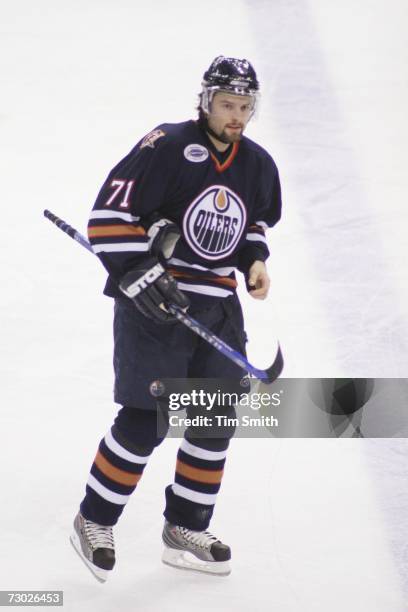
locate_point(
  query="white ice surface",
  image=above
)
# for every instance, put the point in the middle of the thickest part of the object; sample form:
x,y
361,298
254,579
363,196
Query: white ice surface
x,y
314,525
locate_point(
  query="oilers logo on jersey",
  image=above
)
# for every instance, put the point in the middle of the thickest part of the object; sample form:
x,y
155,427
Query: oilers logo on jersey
x,y
214,222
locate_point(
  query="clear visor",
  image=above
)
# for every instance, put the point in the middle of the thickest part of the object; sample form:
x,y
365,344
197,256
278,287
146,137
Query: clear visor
x,y
208,93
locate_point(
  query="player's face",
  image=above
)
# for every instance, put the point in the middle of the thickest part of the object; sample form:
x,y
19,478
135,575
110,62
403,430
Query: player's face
x,y
229,115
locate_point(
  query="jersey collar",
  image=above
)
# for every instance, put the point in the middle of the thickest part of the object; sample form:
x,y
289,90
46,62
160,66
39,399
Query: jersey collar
x,y
221,161
220,167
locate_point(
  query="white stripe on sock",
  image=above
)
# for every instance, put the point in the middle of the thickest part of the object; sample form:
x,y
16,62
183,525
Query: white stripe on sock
x,y
202,453
114,498
194,496
116,448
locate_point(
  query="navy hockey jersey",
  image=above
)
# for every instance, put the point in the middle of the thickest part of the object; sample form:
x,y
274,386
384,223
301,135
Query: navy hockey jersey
x,y
222,203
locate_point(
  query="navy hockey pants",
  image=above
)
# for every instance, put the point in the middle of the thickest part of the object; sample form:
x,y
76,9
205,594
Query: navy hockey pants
x,y
144,352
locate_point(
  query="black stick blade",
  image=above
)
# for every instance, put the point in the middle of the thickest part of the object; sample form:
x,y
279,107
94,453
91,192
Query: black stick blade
x,y
275,370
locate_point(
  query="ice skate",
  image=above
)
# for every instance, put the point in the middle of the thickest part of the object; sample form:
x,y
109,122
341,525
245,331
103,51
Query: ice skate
x,y
95,545
195,550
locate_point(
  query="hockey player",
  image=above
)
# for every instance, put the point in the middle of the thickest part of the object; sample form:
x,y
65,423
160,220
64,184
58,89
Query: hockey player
x,y
173,221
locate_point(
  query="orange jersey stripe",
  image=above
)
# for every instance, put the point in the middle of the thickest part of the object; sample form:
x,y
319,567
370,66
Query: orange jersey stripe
x,y
99,231
120,476
221,280
206,476
221,167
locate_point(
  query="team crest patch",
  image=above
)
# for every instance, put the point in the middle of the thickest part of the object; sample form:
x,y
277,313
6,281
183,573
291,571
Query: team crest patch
x,y
196,153
214,222
150,139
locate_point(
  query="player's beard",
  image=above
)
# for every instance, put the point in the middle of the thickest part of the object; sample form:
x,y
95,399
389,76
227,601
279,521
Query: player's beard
x,y
231,137
223,136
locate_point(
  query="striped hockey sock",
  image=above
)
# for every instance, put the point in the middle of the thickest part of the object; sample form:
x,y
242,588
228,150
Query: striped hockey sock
x,y
115,472
191,498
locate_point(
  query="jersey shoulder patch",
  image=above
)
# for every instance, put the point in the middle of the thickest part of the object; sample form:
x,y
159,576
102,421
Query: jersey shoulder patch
x,y
151,137
174,133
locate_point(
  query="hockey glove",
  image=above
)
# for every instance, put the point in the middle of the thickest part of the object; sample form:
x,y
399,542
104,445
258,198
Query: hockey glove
x,y
151,288
163,235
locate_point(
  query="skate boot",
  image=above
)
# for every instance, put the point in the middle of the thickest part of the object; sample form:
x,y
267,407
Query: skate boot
x,y
195,550
95,545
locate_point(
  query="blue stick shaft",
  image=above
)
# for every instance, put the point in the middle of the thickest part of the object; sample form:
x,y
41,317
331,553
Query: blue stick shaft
x,y
216,342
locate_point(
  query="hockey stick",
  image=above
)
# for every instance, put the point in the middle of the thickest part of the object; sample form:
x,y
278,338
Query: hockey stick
x,y
269,375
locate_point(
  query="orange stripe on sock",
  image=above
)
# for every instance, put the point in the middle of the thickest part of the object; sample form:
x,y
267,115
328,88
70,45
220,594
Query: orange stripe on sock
x,y
207,476
115,230
114,473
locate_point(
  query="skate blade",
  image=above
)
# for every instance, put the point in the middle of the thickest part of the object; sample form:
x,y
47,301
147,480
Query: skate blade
x,y
181,559
100,574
